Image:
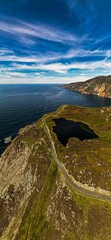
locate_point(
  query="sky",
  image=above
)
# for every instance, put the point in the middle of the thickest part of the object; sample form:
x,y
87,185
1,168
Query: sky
x,y
54,41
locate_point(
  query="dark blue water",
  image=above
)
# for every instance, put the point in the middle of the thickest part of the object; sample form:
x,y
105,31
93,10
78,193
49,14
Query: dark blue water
x,y
66,129
24,104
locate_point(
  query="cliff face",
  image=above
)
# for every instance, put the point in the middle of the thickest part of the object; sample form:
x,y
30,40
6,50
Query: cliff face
x,y
100,86
37,200
23,170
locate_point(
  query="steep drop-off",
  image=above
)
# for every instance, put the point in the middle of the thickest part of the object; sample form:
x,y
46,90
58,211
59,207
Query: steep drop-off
x,y
48,191
100,86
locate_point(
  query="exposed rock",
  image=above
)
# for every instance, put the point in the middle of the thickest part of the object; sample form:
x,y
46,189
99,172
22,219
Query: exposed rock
x,y
100,86
8,140
36,201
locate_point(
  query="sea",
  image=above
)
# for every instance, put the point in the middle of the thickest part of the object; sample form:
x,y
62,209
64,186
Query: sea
x,y
22,104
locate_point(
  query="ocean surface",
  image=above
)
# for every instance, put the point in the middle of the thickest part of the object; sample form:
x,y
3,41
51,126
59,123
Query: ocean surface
x,y
24,104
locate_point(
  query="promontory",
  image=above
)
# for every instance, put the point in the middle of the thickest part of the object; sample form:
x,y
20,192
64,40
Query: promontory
x,y
100,86
55,178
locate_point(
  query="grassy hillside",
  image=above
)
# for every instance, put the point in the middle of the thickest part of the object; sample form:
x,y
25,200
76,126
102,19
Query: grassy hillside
x,y
100,86
37,202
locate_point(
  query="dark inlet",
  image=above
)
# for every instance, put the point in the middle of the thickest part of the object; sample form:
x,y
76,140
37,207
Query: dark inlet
x,y
66,129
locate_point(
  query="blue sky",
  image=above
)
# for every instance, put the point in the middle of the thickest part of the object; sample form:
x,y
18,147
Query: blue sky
x,y
49,41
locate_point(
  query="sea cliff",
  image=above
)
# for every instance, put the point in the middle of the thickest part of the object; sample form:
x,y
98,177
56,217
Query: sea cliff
x,y
49,191
100,86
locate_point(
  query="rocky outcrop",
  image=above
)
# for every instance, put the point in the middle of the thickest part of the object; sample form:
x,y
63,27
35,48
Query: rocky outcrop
x,y
37,201
100,86
21,173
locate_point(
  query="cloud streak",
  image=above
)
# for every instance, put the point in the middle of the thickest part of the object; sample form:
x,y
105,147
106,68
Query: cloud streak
x,y
64,41
9,55
45,32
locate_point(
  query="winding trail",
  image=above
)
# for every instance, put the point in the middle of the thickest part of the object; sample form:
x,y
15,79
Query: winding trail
x,y
74,185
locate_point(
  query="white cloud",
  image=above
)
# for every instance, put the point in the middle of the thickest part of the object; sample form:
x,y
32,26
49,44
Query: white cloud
x,y
5,52
60,68
32,56
11,79
22,29
64,68
57,72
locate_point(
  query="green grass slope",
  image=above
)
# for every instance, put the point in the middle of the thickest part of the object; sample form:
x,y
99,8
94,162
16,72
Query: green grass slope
x,y
45,207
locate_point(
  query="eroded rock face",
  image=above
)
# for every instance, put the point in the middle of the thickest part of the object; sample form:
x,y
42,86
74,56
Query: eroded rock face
x,y
100,86
16,185
20,174
36,201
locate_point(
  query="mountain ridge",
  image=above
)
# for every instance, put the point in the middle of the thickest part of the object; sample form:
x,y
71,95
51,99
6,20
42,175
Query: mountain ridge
x,y
100,86
37,201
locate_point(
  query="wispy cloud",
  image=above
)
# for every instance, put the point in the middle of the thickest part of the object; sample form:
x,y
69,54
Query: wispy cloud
x,y
69,41
57,72
25,78
22,29
31,56
5,52
61,67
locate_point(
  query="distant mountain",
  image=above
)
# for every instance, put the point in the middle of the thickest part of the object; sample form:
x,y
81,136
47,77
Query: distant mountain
x,y
100,86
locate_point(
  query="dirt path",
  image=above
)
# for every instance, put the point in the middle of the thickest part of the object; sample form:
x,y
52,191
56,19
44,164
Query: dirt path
x,y
74,185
